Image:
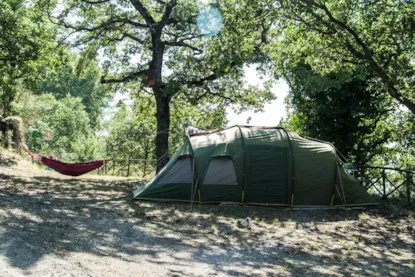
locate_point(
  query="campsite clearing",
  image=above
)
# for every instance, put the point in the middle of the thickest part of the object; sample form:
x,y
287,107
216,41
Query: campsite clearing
x,y
52,225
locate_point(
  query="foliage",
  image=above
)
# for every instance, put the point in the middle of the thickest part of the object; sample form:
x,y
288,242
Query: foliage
x,y
31,107
341,108
401,152
161,40
63,130
93,95
344,35
131,132
81,80
359,51
349,63
128,137
27,45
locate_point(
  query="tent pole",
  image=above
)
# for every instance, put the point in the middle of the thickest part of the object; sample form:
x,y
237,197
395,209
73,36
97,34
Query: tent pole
x,y
192,188
337,174
193,195
341,183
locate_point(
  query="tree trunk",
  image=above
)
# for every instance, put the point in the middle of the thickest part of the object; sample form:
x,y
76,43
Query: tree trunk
x,y
163,128
128,167
15,126
145,161
3,133
162,102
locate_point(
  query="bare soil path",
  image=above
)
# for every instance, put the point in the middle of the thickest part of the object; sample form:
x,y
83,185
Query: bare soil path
x,y
52,225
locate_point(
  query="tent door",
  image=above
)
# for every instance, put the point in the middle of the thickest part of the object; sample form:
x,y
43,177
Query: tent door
x,y
267,174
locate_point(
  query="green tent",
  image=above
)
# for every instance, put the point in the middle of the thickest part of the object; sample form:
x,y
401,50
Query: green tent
x,y
255,165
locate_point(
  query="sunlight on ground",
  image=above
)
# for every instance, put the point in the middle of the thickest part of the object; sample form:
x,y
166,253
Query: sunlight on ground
x,y
54,225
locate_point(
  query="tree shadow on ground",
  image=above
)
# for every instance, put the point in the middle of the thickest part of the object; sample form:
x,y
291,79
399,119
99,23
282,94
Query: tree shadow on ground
x,y
45,215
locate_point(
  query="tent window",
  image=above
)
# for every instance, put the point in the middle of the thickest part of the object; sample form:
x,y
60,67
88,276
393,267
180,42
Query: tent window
x,y
220,172
179,173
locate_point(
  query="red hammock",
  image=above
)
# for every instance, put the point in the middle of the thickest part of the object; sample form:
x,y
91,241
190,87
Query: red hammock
x,y
71,169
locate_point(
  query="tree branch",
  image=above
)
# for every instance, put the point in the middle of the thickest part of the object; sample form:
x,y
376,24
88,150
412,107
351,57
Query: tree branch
x,y
311,27
161,2
208,91
95,2
135,24
354,51
143,11
146,91
111,24
167,12
136,39
104,25
173,21
201,81
346,27
129,77
183,44
369,56
215,75
179,37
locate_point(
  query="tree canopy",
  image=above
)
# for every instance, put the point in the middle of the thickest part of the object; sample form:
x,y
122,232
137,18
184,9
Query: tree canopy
x,y
349,65
27,45
179,48
342,35
341,108
61,128
78,79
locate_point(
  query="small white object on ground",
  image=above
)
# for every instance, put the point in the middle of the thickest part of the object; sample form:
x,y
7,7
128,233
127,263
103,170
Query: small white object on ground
x,y
245,223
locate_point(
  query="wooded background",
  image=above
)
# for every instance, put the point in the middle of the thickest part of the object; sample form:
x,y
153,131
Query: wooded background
x,y
349,65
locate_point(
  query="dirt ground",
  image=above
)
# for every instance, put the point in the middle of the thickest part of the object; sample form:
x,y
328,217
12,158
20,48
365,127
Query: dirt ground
x,y
51,225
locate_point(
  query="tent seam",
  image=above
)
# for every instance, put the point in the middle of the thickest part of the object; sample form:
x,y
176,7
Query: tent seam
x,y
243,163
194,166
291,171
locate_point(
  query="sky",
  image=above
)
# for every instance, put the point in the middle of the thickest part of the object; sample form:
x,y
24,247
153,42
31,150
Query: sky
x,y
273,112
271,116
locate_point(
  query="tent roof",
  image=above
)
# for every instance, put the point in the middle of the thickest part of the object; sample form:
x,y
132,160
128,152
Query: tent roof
x,y
238,126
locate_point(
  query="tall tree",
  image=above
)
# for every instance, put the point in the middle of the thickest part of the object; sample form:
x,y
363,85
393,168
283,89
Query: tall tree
x,y
27,45
378,35
341,108
71,79
131,131
183,47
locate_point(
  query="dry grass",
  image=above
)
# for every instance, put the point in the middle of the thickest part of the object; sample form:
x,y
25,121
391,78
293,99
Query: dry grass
x,y
52,225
